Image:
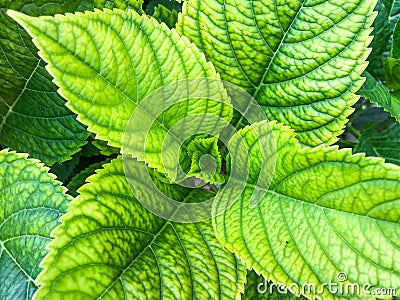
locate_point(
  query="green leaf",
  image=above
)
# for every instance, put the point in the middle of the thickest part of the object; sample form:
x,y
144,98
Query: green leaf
x,y
326,212
31,203
392,64
163,14
382,34
105,149
392,72
105,92
90,5
110,247
381,140
377,93
299,60
121,4
38,122
79,179
85,5
33,117
40,8
64,170
172,5
393,8
395,52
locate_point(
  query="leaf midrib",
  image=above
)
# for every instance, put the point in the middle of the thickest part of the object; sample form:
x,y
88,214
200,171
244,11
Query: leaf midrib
x,y
290,198
258,88
3,248
108,82
11,107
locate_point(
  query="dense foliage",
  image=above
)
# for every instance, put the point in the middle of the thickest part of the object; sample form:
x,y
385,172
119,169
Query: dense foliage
x,y
199,150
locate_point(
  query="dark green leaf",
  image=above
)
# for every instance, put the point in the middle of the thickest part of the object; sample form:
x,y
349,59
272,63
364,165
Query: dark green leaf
x,y
163,14
33,117
377,93
78,180
381,140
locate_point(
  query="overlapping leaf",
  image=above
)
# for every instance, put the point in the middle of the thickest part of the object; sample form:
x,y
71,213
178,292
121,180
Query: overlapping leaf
x,y
301,60
80,179
110,247
33,117
393,9
381,140
377,93
121,4
116,60
388,14
326,212
163,14
392,63
31,203
382,33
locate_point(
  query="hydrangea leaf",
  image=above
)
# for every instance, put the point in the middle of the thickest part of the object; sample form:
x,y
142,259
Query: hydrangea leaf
x,y
110,247
163,14
105,149
377,93
40,8
85,5
393,7
65,170
31,203
395,51
80,179
38,122
392,64
330,212
105,92
33,117
382,34
121,4
381,140
392,72
172,5
301,60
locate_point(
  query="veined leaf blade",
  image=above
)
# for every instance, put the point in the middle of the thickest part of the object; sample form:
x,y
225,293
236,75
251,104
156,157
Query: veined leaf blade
x,y
116,249
377,93
33,118
326,209
381,140
301,60
31,203
101,89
